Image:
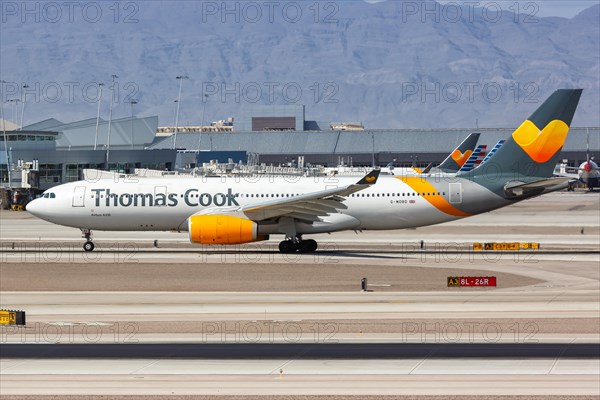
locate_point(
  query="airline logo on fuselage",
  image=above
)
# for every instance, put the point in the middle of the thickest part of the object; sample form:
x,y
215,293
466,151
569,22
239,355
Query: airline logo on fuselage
x,y
191,197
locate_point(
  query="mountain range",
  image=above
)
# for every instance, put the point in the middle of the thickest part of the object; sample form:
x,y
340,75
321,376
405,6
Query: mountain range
x,y
390,64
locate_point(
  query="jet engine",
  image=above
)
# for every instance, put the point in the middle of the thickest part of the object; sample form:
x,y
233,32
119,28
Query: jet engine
x,y
223,229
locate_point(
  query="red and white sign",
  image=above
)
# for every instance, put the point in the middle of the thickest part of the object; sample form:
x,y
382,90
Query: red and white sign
x,y
477,280
471,281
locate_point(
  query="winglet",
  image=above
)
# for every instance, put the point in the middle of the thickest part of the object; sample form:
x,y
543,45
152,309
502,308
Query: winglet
x,y
370,178
428,168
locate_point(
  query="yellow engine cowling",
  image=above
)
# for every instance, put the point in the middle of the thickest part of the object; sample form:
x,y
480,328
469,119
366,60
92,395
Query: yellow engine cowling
x,y
222,229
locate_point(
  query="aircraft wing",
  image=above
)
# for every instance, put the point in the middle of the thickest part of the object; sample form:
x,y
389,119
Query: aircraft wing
x,y
309,206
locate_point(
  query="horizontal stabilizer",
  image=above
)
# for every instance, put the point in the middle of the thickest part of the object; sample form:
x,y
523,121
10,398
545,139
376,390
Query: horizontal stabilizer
x,y
516,188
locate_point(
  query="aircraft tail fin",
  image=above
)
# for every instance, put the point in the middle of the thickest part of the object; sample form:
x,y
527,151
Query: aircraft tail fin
x,y
475,159
460,155
533,149
494,150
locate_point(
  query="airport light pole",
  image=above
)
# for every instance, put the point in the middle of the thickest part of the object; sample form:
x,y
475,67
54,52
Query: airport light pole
x,y
202,121
132,102
5,139
112,96
180,78
373,152
98,114
16,103
25,86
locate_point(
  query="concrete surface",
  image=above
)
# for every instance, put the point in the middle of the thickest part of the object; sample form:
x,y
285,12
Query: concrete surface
x,y
181,312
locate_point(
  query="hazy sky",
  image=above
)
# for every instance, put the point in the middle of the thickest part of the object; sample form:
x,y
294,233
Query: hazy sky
x,y
563,8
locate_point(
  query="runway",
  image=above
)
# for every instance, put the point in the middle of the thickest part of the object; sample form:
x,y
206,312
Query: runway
x,y
300,386
280,368
291,369
179,319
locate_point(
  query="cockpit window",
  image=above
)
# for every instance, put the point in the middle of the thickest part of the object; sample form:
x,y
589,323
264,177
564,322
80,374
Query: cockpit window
x,y
49,196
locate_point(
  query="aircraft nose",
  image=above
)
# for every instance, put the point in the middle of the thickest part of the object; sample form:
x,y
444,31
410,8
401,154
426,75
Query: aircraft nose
x,y
34,207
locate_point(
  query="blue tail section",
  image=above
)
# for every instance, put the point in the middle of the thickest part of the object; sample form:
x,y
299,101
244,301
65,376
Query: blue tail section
x,y
494,150
475,159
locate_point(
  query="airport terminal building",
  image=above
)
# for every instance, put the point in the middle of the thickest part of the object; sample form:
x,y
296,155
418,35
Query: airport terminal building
x,y
58,152
281,134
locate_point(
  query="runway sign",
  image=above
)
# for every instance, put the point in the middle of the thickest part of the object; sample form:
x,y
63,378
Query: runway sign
x,y
12,317
530,246
510,246
471,281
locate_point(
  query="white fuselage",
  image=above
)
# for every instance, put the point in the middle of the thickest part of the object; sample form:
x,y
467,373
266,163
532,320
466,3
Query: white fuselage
x,y
159,204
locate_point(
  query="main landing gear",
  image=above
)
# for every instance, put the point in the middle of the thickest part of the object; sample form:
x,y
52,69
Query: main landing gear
x,y
292,245
88,245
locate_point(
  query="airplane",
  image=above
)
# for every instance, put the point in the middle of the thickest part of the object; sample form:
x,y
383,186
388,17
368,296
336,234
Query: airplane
x,y
237,210
461,155
455,161
587,173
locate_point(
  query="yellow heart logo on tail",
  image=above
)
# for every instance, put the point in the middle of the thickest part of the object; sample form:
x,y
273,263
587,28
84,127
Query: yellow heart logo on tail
x,y
461,158
541,145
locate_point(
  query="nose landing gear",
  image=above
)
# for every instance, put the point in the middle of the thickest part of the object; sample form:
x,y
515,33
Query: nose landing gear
x,y
88,245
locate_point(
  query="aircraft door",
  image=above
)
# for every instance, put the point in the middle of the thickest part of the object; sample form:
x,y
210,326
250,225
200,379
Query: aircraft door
x,y
455,191
79,196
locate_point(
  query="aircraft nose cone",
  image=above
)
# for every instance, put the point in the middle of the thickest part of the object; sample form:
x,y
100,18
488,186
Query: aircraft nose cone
x,y
34,207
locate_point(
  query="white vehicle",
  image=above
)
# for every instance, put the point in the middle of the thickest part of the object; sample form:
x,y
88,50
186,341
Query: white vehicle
x,y
238,210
